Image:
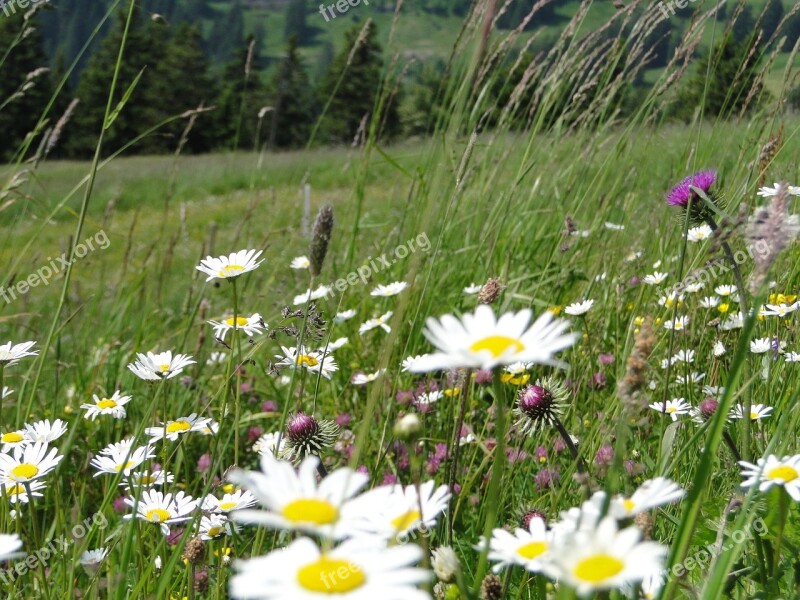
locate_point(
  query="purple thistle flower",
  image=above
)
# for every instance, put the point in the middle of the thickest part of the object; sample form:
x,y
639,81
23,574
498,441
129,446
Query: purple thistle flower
x,y
547,478
682,193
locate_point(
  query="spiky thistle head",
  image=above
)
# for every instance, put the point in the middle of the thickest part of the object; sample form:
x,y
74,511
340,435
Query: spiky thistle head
x,y
320,238
305,434
685,196
540,404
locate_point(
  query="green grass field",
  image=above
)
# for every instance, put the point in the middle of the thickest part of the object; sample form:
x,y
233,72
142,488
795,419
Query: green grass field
x,y
582,486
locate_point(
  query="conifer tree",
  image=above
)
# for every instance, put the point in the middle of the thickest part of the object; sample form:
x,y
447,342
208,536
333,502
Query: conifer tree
x,y
290,122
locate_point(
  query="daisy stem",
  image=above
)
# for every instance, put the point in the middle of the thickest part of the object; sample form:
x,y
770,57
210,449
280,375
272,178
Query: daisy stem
x,y
498,466
2,369
238,345
570,444
783,512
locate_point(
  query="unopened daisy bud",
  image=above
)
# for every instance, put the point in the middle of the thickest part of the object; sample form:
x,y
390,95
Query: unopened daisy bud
x,y
408,427
445,563
491,588
194,552
490,291
452,592
320,237
529,516
307,435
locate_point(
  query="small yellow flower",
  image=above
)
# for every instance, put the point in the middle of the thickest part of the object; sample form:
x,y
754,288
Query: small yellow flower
x,y
556,310
630,306
452,392
638,321
228,488
724,307
658,321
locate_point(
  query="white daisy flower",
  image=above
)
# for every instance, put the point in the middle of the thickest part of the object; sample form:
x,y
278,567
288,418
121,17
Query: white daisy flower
x,y
391,289
250,326
294,501
770,471
335,345
233,265
693,288
44,431
698,234
114,406
674,408
579,308
5,392
301,262
381,322
162,509
655,278
214,526
18,492
779,310
651,494
11,354
725,290
172,429
216,358
345,315
684,356
10,543
472,289
322,291
92,559
693,377
445,563
365,378
354,570
157,366
734,321
613,226
768,192
393,512
711,390
719,348
13,439
481,340
633,256
268,444
408,363
28,463
601,277
120,447
792,357
113,462
670,299
679,324
147,479
603,557
757,411
526,548
760,345
710,302
235,501
311,360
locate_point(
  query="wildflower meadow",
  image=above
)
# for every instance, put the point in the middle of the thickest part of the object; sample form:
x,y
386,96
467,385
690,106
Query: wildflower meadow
x,y
545,348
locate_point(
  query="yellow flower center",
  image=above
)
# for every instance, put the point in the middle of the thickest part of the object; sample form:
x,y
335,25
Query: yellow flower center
x,y
497,345
629,504
598,568
16,490
164,368
784,472
406,520
311,510
306,360
127,465
240,321
331,576
106,403
178,427
671,409
24,471
231,271
157,515
214,531
678,325
532,549
227,505
12,437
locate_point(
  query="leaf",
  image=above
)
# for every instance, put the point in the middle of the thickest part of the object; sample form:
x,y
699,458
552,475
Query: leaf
x,y
113,116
